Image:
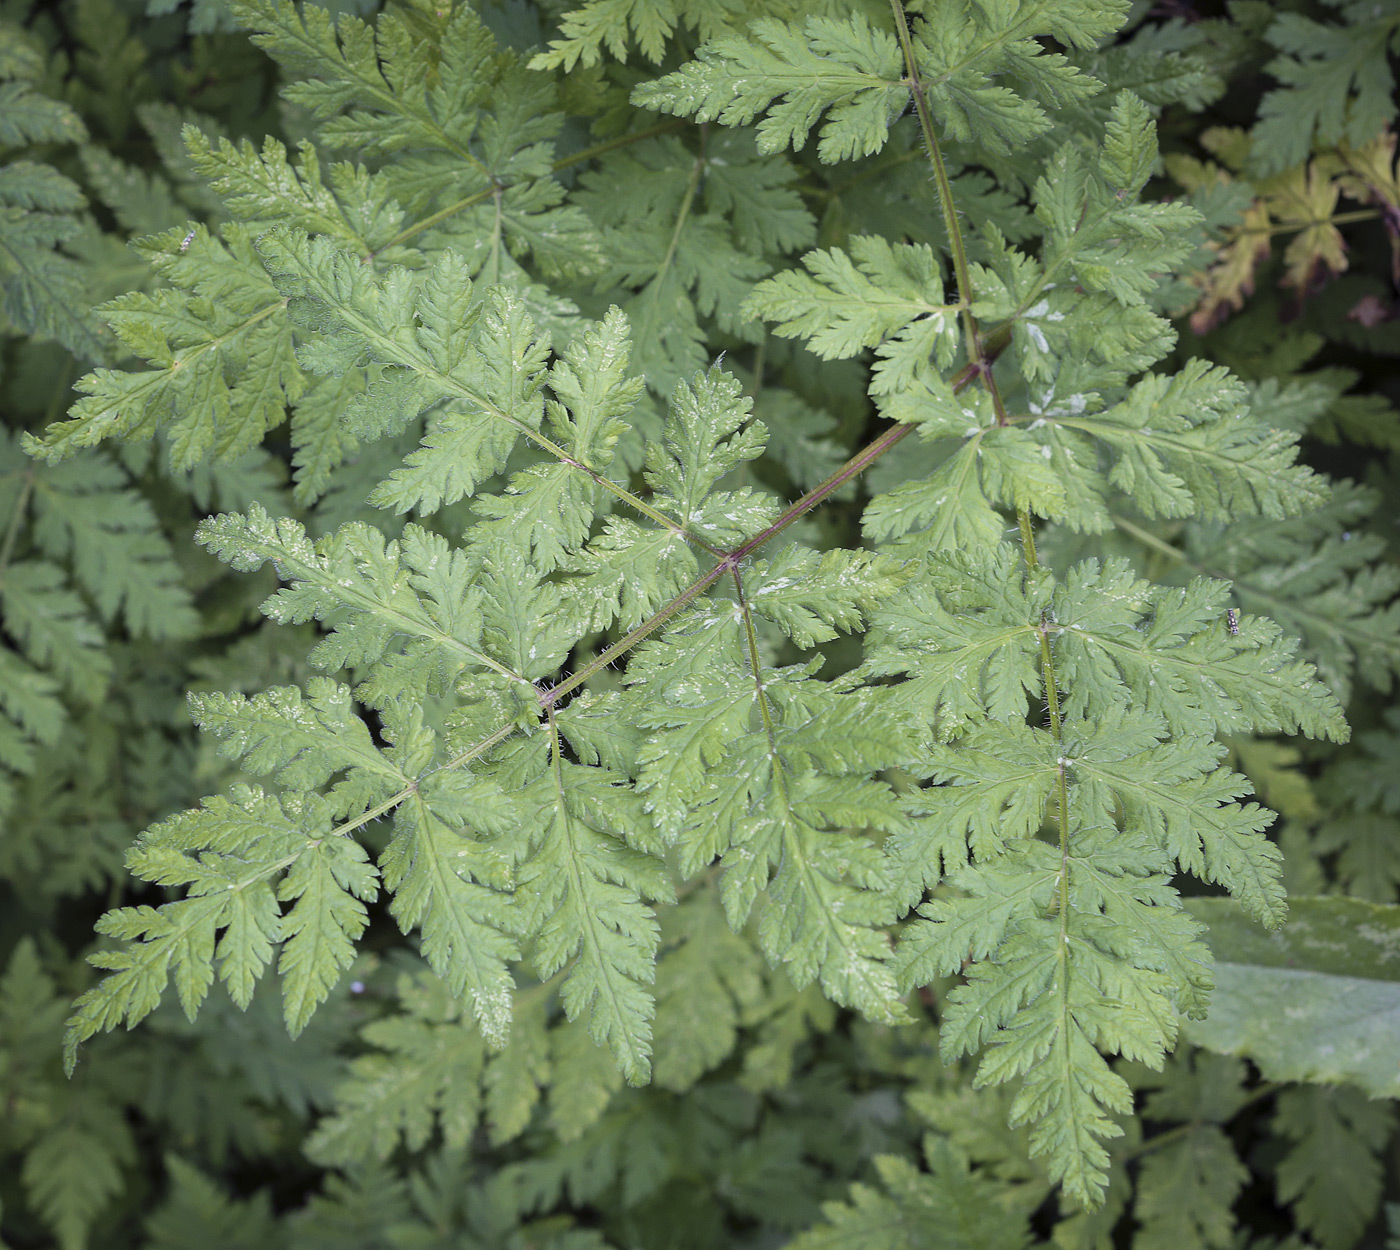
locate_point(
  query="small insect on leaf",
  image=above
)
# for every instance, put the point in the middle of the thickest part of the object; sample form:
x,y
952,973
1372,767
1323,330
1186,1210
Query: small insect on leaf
x,y
1232,620
186,241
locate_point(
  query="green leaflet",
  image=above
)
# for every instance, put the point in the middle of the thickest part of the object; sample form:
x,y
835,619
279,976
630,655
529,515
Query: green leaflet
x,y
265,190
891,299
1334,84
605,23
1349,625
75,1165
896,1215
232,912
852,72
692,234
86,555
583,893
1132,786
461,116
41,280
842,66
737,768
1330,1175
222,351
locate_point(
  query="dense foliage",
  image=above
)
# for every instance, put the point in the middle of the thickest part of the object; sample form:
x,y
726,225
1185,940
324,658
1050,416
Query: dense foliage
x,y
698,623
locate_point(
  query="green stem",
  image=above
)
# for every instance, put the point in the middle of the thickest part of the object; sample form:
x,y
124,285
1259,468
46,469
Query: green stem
x,y
981,367
1023,523
1052,706
497,234
692,186
756,666
940,176
1160,545
622,141
1287,227
433,219
17,519
1057,730
1178,1131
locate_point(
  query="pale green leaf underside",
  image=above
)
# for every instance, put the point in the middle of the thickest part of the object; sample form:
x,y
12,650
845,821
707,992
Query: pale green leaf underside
x,y
1316,1000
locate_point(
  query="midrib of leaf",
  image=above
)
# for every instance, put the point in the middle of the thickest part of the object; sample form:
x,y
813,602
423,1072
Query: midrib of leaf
x,y
687,200
496,194
1296,225
683,214
967,471
793,79
351,596
792,841
435,219
463,940
1151,437
207,906
593,942
756,670
410,788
